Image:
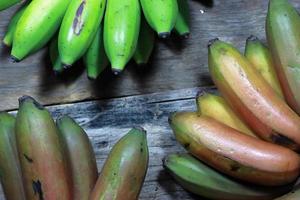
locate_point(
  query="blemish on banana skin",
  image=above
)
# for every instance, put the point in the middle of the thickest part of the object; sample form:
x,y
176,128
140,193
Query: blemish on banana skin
x,y
78,21
37,189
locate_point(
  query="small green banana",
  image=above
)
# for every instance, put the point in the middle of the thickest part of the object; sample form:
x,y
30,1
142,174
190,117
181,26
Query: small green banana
x,y
8,37
37,26
145,44
78,29
95,58
57,65
182,26
80,155
4,4
200,179
10,170
161,15
124,171
121,31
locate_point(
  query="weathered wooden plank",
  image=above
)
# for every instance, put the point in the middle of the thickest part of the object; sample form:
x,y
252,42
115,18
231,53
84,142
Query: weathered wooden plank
x,y
107,120
175,64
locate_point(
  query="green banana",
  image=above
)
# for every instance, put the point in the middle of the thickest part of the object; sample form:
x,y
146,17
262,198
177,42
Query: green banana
x,y
57,65
36,26
80,155
10,171
95,58
282,29
293,195
121,31
4,4
124,171
260,57
161,15
44,166
145,44
78,28
182,26
8,37
200,179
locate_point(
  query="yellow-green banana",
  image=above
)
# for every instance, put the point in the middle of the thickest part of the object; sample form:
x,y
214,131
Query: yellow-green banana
x,y
95,59
121,31
161,15
145,44
36,26
57,65
8,37
78,29
8,3
200,179
10,170
182,25
260,57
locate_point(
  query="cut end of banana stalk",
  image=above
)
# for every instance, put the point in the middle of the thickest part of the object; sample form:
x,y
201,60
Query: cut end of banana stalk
x,y
164,35
252,38
14,59
26,98
211,42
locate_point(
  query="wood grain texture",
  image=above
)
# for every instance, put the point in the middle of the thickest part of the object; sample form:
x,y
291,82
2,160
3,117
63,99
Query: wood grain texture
x,y
107,121
176,64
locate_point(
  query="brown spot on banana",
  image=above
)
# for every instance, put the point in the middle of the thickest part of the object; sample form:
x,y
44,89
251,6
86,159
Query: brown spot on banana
x,y
77,22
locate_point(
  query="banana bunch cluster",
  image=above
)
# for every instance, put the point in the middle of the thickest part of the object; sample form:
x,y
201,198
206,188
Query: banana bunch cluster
x,y
98,31
43,160
252,132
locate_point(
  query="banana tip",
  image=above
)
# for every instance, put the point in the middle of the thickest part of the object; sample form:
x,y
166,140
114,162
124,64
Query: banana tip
x,y
66,66
211,42
201,93
29,98
171,117
116,71
252,38
141,129
164,35
185,35
14,59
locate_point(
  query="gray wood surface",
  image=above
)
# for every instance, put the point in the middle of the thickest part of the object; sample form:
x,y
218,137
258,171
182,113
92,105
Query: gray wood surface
x,y
107,121
176,64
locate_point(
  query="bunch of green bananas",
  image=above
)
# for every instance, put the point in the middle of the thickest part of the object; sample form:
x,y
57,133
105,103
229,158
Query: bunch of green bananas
x,y
252,132
43,160
100,31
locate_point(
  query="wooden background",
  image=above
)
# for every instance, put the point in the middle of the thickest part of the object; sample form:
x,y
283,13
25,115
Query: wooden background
x,y
176,64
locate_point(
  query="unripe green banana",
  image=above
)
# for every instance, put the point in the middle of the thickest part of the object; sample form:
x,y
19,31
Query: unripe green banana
x,y
121,31
10,176
182,25
261,59
57,65
8,3
37,26
43,163
145,44
95,59
161,15
282,29
8,37
78,29
124,171
80,155
200,179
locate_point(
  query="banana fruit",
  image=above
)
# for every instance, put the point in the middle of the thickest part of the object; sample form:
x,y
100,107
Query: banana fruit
x,y
145,44
124,171
261,59
282,28
81,156
95,58
8,37
182,26
43,163
217,108
121,31
4,4
11,176
57,65
233,153
200,179
161,15
78,28
252,97
36,26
